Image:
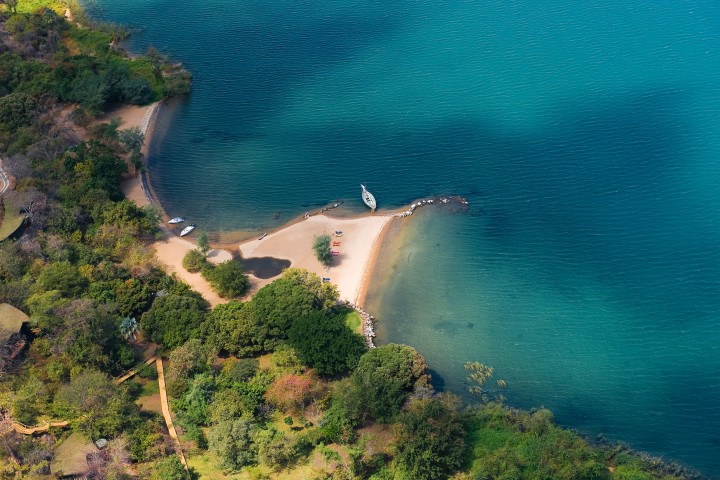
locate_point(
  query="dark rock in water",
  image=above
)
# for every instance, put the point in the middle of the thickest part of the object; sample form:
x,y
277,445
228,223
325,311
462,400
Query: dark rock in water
x,y
469,325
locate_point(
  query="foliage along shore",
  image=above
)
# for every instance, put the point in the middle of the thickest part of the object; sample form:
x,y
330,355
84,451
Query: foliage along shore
x,y
276,387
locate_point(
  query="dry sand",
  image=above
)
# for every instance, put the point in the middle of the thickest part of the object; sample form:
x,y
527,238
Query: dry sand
x,y
349,271
170,252
132,116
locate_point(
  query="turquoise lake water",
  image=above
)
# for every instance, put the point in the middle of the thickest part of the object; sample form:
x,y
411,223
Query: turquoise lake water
x,y
585,135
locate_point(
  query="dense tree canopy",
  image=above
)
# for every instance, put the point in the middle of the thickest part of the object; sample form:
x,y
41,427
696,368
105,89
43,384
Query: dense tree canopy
x,y
324,342
384,378
233,328
295,294
429,440
174,319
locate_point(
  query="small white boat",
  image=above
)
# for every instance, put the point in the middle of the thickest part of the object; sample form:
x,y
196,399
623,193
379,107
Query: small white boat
x,y
368,198
175,220
187,229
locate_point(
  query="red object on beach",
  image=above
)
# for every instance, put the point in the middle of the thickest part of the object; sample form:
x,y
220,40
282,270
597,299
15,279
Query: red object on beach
x,y
336,244
335,252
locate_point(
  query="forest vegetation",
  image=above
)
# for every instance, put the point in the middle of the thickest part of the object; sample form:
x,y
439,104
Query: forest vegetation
x,y
274,387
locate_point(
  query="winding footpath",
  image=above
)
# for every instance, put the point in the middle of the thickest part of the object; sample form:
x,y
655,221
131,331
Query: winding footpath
x,y
4,180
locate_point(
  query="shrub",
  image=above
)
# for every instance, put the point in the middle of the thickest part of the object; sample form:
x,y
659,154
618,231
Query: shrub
x,y
321,247
226,278
193,261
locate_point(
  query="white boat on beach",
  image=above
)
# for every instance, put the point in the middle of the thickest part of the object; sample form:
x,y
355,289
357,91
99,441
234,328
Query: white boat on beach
x,y
187,230
368,198
175,220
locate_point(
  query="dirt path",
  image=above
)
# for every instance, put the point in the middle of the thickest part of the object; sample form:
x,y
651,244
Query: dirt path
x,y
166,412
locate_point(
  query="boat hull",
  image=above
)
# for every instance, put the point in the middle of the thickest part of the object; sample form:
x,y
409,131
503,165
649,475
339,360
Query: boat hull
x,y
368,198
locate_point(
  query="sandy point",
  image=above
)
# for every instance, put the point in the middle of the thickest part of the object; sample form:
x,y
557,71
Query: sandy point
x,y
350,270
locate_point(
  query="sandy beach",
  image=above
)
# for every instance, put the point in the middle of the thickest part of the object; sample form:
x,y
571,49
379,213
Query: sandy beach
x,y
142,117
349,270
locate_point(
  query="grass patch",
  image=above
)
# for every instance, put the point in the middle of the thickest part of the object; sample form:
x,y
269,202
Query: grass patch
x,y
32,6
10,223
205,468
149,388
354,322
70,455
89,41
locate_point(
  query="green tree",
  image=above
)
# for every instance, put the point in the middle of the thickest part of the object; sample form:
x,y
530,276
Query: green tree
x,y
193,407
13,262
129,327
295,294
324,342
232,442
29,401
17,110
233,328
384,378
203,243
173,319
277,450
99,407
226,278
236,370
321,247
189,359
132,141
429,440
193,261
169,468
132,297
61,276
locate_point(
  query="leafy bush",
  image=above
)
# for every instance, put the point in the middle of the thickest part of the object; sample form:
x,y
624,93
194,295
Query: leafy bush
x,y
193,261
226,278
232,442
321,247
429,440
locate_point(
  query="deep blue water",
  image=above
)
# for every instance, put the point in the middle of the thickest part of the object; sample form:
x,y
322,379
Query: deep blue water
x,y
586,136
